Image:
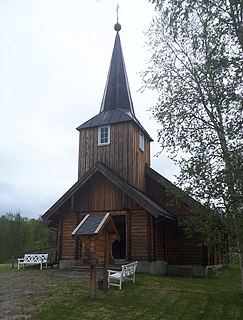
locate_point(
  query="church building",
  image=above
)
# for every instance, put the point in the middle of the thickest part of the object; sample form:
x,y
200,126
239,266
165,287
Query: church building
x,y
115,176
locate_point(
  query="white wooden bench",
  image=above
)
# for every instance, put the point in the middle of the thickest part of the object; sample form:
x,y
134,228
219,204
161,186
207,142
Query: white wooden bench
x,y
34,258
115,278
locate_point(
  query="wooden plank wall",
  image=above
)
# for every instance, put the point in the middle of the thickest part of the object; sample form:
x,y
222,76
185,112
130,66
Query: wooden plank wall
x,y
100,248
100,194
139,235
160,238
122,155
159,194
68,242
181,249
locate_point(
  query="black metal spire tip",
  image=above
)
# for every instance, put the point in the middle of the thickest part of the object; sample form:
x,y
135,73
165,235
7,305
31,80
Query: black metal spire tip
x,y
117,26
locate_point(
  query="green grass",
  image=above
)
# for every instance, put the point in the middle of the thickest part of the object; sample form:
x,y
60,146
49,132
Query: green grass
x,y
152,297
5,266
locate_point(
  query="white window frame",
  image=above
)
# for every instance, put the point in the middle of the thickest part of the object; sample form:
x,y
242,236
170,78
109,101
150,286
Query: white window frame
x,y
100,136
141,141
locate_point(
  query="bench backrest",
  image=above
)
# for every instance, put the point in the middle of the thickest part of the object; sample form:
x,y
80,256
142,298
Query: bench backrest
x,y
36,258
129,269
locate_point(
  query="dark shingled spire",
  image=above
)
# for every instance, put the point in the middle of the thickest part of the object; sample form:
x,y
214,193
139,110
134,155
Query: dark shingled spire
x,y
117,92
117,103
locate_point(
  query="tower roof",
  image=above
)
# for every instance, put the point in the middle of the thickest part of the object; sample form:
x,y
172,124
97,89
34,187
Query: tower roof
x,y
116,105
117,92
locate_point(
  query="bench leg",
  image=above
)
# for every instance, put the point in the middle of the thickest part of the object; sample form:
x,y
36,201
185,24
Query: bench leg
x,y
133,280
120,284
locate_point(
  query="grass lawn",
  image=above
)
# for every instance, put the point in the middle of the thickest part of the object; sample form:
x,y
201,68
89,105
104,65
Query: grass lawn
x,y
152,297
5,266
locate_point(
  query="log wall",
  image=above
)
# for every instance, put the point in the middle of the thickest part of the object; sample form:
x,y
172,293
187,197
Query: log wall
x,y
160,241
68,249
181,249
138,246
139,235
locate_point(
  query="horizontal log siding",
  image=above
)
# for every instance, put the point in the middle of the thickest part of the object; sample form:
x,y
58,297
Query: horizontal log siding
x,y
160,236
151,235
100,248
139,235
183,250
122,155
68,242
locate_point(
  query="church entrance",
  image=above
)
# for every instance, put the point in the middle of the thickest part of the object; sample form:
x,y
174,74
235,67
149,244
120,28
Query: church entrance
x,y
119,247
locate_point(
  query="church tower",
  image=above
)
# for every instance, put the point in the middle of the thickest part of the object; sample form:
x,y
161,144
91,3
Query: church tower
x,y
114,136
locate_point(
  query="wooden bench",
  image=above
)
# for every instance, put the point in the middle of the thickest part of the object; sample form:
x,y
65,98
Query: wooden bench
x,y
115,278
34,258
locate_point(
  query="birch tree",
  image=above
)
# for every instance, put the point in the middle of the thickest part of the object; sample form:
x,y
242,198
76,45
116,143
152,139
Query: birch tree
x,y
196,65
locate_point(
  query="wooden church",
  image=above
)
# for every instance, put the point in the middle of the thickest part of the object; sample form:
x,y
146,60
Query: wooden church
x,y
114,176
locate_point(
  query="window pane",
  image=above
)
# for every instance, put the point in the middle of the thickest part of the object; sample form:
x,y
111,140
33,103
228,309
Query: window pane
x,y
141,141
104,135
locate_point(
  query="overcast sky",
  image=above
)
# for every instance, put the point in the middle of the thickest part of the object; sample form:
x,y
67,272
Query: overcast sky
x,y
54,60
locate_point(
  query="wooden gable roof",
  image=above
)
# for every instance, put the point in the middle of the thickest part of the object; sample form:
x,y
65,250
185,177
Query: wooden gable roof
x,y
138,196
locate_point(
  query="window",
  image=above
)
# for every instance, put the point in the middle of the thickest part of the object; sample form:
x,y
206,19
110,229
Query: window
x,y
141,141
103,135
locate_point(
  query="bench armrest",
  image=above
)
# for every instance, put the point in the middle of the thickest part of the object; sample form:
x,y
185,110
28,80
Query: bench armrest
x,y
113,271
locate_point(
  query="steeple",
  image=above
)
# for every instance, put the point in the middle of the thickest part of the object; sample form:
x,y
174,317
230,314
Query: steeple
x,y
116,105
117,92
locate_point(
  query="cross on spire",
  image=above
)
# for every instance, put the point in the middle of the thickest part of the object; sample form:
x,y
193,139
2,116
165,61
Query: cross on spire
x,y
117,12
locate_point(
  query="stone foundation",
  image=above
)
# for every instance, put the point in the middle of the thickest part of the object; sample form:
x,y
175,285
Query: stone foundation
x,y
67,264
153,267
158,267
187,271
162,268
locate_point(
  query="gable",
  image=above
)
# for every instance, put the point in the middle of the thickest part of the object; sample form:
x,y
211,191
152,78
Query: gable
x,y
67,200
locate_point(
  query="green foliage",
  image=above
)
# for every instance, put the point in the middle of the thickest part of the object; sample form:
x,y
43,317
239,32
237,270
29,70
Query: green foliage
x,y
196,65
19,234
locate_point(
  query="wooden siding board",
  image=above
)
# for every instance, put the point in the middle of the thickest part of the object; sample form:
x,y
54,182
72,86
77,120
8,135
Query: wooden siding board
x,y
122,155
68,242
183,250
139,235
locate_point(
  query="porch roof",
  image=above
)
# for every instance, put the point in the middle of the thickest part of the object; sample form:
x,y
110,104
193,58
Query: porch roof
x,y
92,224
